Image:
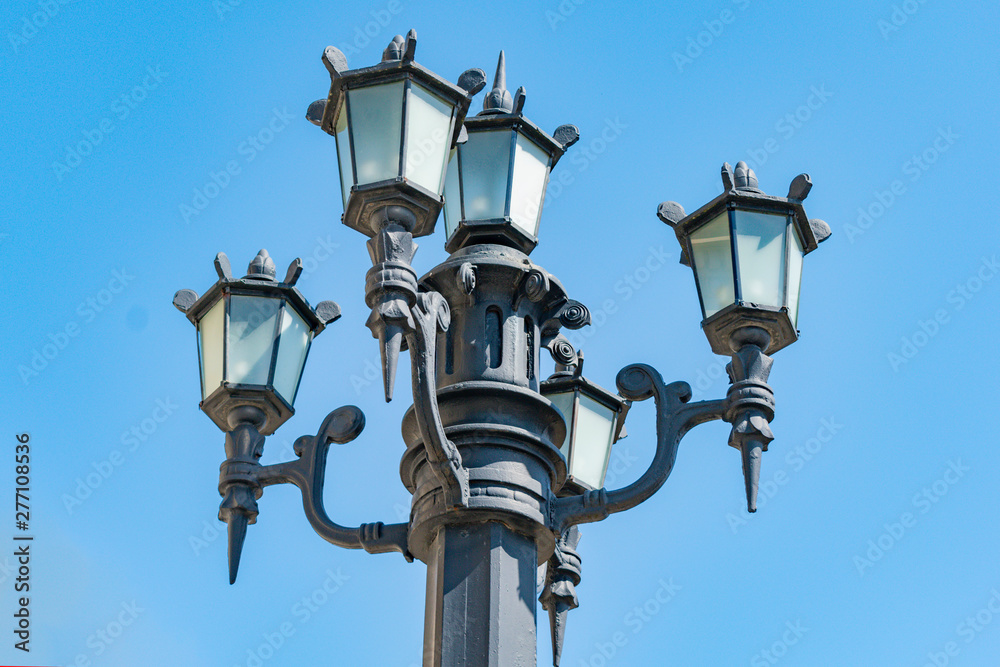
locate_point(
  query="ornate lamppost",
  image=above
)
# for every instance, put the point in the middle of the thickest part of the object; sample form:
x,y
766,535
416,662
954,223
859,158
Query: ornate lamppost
x,y
503,465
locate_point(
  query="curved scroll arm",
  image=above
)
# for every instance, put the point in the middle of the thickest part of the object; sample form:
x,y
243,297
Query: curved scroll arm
x,y
431,314
674,418
308,472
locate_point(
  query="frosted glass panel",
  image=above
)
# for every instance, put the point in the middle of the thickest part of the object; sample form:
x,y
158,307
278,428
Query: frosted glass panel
x,y
344,157
452,197
293,344
428,138
210,335
713,263
794,275
376,123
564,402
760,249
485,165
592,446
251,338
531,166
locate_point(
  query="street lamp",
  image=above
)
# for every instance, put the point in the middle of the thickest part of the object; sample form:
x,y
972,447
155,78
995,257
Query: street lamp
x,y
503,466
496,180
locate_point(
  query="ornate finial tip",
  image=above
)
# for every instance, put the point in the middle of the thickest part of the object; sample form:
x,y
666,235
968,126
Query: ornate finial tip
x,y
499,99
262,267
744,176
395,49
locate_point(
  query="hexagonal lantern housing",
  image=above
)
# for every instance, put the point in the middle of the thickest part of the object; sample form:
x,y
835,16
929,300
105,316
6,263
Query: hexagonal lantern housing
x,y
253,338
395,124
746,250
595,420
496,180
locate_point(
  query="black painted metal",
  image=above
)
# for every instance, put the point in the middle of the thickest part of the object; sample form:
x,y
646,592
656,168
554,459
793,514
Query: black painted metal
x,y
490,495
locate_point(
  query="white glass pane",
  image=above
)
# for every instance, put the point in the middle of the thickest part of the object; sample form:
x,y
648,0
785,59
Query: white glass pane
x,y
452,197
531,172
428,138
344,157
485,165
794,275
760,251
564,403
251,338
293,344
376,123
210,335
594,430
713,264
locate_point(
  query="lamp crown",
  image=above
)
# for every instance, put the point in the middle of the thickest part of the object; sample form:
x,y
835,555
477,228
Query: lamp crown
x,y
499,99
262,267
744,177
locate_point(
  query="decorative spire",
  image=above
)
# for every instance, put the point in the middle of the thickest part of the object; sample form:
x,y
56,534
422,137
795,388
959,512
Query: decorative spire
x,y
499,100
262,267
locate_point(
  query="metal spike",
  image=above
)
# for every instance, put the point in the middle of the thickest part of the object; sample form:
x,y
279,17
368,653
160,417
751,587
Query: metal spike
x,y
237,530
500,78
390,340
557,624
751,452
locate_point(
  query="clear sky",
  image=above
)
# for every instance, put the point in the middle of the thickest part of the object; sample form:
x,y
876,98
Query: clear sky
x,y
878,533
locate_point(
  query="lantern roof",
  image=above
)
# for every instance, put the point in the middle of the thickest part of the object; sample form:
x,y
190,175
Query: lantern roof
x,y
741,190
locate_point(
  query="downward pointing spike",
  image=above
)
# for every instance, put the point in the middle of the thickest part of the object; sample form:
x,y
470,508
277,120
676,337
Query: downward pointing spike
x,y
557,623
237,534
751,452
390,339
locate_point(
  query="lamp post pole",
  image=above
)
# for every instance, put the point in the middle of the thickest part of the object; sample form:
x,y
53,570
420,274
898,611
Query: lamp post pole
x,y
503,467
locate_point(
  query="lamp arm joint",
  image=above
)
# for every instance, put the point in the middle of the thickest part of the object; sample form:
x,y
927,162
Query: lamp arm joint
x,y
308,472
675,416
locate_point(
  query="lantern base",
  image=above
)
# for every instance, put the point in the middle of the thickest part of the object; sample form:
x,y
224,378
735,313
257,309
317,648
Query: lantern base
x,y
229,397
366,200
775,321
501,231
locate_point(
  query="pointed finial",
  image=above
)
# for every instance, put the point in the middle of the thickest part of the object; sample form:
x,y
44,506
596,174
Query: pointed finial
x,y
745,178
391,339
237,533
499,100
751,452
262,267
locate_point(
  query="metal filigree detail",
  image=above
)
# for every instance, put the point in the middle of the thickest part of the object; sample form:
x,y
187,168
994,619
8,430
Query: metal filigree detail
x,y
536,285
574,315
466,277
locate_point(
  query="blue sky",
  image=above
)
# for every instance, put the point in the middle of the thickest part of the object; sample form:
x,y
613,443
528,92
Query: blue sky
x,y
877,537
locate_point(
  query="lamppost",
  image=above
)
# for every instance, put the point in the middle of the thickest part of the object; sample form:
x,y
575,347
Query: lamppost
x,y
503,465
